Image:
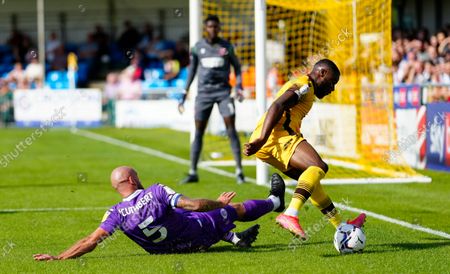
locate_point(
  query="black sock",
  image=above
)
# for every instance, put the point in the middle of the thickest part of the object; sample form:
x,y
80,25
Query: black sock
x,y
196,149
235,147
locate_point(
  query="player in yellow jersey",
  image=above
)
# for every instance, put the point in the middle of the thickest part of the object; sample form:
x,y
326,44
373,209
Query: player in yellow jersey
x,y
277,140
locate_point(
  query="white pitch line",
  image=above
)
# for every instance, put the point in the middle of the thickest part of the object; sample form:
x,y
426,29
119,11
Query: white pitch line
x,y
182,161
152,152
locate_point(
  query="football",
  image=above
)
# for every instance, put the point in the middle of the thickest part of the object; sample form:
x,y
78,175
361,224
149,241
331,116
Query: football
x,y
349,239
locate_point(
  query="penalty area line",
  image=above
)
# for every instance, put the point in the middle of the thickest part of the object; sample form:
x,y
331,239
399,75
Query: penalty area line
x,y
169,157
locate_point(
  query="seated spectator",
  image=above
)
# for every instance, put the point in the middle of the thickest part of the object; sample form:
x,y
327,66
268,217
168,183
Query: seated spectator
x,y
415,73
52,46
112,86
129,38
20,44
444,76
182,53
406,65
34,72
146,37
432,54
428,72
88,51
59,61
129,89
101,38
125,85
134,68
444,46
152,51
16,77
171,65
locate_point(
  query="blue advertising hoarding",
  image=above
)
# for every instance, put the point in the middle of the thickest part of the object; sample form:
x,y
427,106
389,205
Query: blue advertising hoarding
x,y
438,136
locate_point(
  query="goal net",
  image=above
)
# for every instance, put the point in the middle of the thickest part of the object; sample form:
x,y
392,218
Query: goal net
x,y
354,128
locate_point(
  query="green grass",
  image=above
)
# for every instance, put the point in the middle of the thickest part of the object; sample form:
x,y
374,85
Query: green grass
x,y
61,169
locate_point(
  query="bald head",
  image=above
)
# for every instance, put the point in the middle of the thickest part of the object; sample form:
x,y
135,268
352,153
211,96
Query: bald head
x,y
125,180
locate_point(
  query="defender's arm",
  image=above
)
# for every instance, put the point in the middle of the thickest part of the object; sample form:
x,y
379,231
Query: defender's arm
x,y
82,247
202,205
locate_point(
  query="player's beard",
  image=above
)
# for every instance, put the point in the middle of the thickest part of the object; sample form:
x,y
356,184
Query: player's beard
x,y
320,94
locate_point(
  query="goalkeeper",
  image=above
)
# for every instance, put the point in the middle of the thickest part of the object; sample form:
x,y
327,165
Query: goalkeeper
x,y
277,141
212,57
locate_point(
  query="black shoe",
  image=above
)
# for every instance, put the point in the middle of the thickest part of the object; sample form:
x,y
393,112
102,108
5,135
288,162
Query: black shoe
x,y
240,179
277,188
247,237
191,178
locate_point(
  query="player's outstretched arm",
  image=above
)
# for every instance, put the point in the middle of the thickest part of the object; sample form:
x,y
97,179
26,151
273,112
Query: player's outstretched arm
x,y
82,247
274,113
202,205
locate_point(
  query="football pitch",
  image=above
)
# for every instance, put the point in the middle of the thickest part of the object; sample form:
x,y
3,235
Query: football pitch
x,y
55,190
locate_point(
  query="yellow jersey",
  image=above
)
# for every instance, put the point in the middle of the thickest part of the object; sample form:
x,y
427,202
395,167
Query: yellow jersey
x,y
285,136
291,121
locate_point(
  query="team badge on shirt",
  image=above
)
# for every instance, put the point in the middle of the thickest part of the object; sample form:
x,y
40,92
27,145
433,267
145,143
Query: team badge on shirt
x,y
202,51
223,51
106,215
224,213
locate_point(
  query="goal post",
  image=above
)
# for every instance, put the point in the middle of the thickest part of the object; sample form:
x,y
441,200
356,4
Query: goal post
x,y
262,171
354,128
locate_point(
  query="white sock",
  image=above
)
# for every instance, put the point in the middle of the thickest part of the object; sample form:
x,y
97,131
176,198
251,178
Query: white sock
x,y
275,200
192,172
291,212
238,171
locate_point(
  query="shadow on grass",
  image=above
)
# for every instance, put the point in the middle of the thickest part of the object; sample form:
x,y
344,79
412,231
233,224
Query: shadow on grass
x,y
255,248
214,249
7,212
265,247
396,247
119,256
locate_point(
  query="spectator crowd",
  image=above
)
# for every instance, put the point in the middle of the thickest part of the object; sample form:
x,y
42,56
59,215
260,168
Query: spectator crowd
x,y
421,58
135,61
97,56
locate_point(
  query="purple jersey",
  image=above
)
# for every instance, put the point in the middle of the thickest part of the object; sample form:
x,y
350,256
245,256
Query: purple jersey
x,y
149,218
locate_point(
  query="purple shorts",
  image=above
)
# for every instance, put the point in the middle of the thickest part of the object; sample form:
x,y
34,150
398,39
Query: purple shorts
x,y
218,222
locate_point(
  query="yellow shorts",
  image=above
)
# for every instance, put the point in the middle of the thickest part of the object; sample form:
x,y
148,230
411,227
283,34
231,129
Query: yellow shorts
x,y
277,151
